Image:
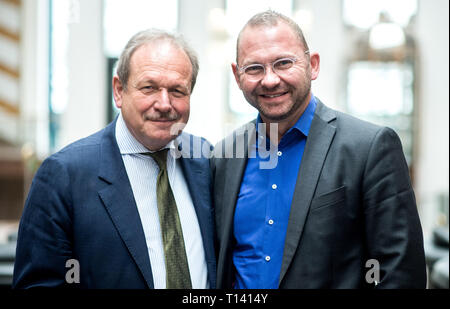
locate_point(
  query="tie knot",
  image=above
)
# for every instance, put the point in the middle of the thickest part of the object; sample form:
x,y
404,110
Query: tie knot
x,y
160,157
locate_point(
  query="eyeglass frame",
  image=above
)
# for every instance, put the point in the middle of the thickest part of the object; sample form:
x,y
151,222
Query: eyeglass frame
x,y
242,69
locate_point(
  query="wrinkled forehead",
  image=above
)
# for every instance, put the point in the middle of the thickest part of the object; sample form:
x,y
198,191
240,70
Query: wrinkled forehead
x,y
162,54
159,50
252,35
266,39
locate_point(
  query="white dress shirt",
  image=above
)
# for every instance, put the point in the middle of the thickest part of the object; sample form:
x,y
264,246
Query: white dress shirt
x,y
142,172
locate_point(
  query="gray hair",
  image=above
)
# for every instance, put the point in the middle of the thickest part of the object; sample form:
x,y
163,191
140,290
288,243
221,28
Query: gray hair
x,y
271,18
150,36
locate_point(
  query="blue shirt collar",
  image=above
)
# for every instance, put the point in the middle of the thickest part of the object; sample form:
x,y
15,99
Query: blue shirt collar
x,y
304,122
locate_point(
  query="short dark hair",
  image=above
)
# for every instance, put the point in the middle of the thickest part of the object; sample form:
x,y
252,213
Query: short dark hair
x,y
271,18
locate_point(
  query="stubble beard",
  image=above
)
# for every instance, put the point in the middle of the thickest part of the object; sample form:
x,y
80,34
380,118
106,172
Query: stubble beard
x,y
292,110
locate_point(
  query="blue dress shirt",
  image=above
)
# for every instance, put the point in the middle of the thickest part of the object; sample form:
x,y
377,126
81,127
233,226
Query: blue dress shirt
x,y
263,207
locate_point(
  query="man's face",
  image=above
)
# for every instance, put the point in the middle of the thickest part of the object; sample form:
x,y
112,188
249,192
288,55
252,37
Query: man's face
x,y
283,96
157,95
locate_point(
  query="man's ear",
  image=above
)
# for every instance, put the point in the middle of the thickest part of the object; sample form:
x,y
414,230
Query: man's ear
x,y
315,65
117,91
236,74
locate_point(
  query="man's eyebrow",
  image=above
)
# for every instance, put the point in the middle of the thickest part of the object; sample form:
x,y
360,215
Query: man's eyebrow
x,y
143,82
280,56
149,81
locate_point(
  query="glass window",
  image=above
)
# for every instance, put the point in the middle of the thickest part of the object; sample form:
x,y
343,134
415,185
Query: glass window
x,y
380,88
239,12
122,19
62,14
382,93
60,21
380,76
365,13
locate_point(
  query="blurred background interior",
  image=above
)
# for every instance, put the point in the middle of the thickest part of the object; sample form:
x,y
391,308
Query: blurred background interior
x,y
386,61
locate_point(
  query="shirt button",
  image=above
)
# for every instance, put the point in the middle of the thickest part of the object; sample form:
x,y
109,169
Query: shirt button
x,y
267,258
279,153
274,186
270,221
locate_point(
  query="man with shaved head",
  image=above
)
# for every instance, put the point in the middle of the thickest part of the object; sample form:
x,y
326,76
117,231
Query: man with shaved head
x,y
319,199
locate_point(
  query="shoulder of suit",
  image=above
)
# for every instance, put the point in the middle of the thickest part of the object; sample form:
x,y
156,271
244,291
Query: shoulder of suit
x,y
188,137
93,140
344,121
80,152
229,140
192,146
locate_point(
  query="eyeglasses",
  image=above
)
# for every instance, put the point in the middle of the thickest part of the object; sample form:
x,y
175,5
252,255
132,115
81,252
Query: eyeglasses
x,y
257,71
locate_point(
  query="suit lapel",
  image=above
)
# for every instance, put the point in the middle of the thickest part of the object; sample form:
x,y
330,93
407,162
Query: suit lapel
x,y
234,172
119,201
198,180
321,135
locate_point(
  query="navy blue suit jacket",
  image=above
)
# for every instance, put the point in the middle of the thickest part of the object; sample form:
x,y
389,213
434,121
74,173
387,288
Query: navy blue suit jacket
x,y
81,206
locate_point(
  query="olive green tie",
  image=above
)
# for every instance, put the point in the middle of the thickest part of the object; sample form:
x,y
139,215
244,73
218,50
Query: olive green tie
x,y
177,269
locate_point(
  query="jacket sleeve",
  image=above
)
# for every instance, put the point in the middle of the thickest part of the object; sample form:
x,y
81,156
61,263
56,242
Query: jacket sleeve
x,y
44,237
393,230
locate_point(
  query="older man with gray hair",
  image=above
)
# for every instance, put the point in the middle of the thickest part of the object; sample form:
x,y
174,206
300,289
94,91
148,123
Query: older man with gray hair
x,y
129,206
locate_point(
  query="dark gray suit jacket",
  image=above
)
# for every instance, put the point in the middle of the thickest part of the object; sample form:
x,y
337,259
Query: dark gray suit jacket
x,y
353,202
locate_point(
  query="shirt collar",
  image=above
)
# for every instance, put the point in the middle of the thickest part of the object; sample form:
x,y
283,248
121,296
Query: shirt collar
x,y
304,122
127,143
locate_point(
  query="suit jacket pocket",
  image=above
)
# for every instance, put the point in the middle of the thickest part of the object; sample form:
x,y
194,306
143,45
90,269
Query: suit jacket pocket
x,y
328,199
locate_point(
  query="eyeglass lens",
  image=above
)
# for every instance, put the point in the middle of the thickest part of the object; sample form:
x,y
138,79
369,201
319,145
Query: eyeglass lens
x,y
258,70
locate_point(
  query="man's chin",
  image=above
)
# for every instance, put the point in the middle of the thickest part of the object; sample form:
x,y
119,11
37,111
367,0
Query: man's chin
x,y
162,136
274,116
155,142
157,137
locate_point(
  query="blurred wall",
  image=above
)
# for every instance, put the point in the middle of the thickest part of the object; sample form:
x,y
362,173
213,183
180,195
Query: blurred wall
x,y
86,107
432,173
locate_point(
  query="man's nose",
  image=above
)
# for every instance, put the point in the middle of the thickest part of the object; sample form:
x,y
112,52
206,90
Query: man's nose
x,y
163,103
270,78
